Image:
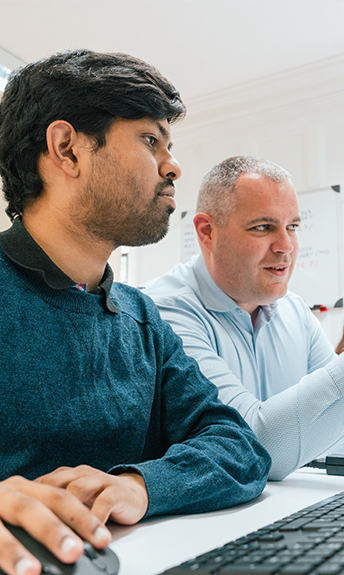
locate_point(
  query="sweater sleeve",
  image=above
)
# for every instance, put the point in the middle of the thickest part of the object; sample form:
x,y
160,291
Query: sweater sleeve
x,y
295,425
212,459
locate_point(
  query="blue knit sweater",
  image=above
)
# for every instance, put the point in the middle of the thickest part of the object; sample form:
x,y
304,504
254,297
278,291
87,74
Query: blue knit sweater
x,y
80,385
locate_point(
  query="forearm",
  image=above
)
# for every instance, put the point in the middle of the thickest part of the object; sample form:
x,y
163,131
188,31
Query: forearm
x,y
298,424
295,425
217,468
303,422
340,345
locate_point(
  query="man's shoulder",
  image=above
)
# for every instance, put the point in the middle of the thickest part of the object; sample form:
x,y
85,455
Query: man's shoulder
x,y
292,298
140,312
132,302
8,272
293,302
179,281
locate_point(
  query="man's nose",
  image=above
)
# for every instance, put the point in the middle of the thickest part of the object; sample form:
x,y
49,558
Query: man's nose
x,y
170,168
283,243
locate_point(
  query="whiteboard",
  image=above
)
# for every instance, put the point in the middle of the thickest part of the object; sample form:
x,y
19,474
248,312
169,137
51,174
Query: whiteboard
x,y
189,241
318,273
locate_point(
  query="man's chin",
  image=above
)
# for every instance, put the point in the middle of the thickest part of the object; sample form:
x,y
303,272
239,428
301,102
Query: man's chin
x,y
272,294
278,293
153,238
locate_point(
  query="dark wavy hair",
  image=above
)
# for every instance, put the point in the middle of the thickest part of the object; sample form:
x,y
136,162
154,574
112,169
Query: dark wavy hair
x,y
85,88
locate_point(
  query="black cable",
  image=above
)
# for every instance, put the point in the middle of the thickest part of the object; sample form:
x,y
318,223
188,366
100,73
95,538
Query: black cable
x,y
334,464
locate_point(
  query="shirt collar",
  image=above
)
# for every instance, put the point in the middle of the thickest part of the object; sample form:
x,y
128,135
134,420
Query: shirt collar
x,y
214,298
23,251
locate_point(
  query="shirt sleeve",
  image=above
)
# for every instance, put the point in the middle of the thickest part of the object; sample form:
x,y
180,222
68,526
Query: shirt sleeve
x,y
321,351
295,426
212,459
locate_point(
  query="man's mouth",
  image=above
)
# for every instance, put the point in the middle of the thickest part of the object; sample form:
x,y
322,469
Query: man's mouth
x,y
165,188
278,270
169,192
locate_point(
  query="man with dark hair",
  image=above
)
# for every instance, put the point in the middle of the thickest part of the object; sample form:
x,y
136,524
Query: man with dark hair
x,y
261,346
99,402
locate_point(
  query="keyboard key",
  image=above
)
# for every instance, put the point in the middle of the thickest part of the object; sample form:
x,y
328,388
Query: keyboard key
x,y
233,553
329,569
319,524
337,559
272,546
255,569
279,559
292,553
271,537
297,524
184,569
317,537
317,560
297,568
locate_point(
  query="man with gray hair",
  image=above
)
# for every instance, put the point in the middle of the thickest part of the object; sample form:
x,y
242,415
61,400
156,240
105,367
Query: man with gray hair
x,y
260,344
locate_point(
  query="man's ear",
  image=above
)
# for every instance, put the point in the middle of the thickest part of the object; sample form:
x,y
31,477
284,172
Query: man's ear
x,y
61,142
204,225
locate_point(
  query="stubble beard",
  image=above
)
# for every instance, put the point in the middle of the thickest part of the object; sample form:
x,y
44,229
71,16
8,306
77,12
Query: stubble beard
x,y
117,222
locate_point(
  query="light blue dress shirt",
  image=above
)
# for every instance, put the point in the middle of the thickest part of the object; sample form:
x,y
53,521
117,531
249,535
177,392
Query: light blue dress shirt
x,y
267,372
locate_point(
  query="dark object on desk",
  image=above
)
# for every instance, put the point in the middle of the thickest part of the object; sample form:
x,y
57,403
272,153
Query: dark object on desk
x,y
319,308
334,464
309,542
92,562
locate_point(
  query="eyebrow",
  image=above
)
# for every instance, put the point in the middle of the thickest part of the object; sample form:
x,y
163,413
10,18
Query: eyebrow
x,y
266,220
165,134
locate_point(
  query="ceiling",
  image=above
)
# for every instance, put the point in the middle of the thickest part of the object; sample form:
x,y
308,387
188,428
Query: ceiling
x,y
200,45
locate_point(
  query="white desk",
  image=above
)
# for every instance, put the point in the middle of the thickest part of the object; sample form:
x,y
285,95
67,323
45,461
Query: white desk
x,y
156,544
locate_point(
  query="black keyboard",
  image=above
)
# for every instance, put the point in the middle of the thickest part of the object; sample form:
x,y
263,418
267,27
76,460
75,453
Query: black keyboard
x,y
309,541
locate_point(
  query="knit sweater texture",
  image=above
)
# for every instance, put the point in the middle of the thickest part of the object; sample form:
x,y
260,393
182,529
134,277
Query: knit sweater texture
x,y
80,385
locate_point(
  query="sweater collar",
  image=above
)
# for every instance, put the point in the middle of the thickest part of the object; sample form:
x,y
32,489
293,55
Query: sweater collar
x,y
23,251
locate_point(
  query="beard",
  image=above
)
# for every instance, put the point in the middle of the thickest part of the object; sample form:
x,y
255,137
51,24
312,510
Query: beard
x,y
120,219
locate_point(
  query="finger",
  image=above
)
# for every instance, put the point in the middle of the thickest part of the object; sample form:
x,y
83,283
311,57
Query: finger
x,y
53,478
116,503
27,512
86,489
101,488
49,505
125,499
15,559
62,476
111,502
105,493
74,513
83,481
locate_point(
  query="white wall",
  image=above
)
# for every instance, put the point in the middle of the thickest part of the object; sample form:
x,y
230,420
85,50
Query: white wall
x,y
4,220
295,118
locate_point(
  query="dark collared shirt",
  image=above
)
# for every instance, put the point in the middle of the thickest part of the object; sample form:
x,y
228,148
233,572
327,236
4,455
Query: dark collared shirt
x,y
25,253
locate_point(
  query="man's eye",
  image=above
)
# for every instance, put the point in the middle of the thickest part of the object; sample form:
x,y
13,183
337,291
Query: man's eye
x,y
261,228
293,227
151,140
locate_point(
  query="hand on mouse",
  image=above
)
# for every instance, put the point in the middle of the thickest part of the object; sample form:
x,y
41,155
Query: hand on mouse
x,y
49,514
122,498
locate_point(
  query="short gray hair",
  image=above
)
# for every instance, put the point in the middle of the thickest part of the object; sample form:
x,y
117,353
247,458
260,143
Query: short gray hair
x,y
215,196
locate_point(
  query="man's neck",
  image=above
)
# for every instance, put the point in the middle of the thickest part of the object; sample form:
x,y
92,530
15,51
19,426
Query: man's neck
x,y
79,256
